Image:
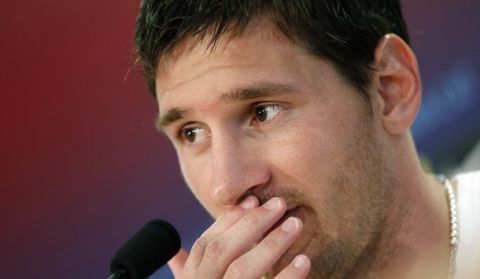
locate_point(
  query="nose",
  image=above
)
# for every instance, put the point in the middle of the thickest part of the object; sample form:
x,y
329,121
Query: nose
x,y
237,167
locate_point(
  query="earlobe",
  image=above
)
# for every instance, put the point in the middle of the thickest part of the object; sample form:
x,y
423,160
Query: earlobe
x,y
397,83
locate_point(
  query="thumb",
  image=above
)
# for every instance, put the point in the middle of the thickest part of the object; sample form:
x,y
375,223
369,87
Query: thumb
x,y
177,263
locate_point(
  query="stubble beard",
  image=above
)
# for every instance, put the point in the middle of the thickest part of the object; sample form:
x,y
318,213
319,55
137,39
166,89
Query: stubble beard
x,y
352,222
349,226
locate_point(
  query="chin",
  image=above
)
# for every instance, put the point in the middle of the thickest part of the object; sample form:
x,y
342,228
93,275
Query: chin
x,y
302,245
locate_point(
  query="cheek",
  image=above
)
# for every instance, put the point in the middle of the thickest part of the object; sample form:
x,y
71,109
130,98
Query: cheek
x,y
301,161
197,175
312,146
311,154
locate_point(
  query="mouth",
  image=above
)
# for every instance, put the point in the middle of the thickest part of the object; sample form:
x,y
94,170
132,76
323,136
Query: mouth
x,y
293,212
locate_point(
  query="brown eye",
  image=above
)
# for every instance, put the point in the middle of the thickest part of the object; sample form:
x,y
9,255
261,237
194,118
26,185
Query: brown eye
x,y
265,113
193,135
190,134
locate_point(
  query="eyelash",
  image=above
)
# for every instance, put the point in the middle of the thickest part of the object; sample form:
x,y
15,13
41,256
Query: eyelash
x,y
267,108
254,113
182,133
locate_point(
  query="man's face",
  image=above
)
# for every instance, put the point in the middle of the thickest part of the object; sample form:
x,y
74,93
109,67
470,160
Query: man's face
x,y
259,115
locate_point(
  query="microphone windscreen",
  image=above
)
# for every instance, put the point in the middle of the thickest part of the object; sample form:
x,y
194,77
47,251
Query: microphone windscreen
x,y
150,248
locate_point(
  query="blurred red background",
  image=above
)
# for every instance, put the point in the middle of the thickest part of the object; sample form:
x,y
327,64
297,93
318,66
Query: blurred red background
x,y
81,166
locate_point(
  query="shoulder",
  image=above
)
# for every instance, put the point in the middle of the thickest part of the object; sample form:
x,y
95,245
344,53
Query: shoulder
x,y
467,188
468,178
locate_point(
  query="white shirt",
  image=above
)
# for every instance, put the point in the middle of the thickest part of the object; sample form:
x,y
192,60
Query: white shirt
x,y
468,212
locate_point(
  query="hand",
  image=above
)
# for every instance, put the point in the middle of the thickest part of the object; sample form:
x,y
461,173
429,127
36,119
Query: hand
x,y
236,246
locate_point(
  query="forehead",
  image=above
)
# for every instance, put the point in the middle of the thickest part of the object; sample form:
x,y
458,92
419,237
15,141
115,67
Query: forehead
x,y
195,56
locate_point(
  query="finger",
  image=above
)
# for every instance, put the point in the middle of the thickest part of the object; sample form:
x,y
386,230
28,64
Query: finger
x,y
262,257
231,216
225,221
241,236
298,268
177,263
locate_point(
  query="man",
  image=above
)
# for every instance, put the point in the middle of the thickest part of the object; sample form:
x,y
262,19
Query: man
x,y
291,123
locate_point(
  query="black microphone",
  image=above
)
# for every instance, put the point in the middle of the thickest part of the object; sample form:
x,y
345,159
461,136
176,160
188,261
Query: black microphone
x,y
146,251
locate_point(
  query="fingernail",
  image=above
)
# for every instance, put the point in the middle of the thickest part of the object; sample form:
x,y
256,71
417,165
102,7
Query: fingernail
x,y
247,203
299,261
290,224
272,204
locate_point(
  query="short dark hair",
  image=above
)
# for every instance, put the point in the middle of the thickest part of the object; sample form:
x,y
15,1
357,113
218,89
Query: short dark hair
x,y
346,32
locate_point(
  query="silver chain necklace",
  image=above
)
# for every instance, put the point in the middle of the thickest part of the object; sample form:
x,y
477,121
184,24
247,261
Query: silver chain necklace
x,y
452,206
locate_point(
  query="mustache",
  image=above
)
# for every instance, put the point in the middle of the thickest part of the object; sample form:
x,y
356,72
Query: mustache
x,y
291,196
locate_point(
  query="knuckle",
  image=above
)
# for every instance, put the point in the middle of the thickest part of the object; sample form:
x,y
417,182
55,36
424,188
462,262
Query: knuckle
x,y
199,246
238,269
270,243
215,249
249,219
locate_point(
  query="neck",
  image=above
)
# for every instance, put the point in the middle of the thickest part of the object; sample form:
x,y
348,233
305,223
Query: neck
x,y
416,239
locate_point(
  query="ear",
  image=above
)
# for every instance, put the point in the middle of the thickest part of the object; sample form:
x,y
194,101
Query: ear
x,y
397,83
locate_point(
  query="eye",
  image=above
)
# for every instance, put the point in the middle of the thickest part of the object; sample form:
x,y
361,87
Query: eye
x,y
193,135
265,113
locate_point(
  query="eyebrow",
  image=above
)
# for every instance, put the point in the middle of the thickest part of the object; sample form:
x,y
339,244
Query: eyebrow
x,y
261,90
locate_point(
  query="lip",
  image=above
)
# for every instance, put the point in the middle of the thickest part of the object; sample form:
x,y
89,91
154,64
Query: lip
x,y
293,212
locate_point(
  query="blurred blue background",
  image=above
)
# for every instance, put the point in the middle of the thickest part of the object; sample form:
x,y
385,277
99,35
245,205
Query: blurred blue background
x,y
81,165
